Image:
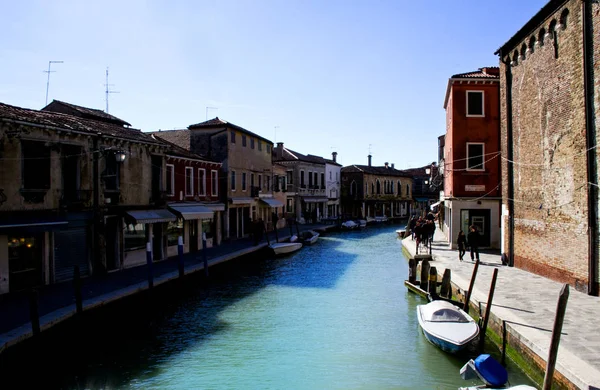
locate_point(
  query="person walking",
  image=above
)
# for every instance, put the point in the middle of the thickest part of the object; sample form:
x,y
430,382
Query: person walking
x,y
461,242
473,240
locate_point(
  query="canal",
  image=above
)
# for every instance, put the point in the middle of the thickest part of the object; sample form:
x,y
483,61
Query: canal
x,y
335,315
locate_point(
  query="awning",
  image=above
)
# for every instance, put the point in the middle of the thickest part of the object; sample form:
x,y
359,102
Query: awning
x,y
435,205
214,206
33,224
152,216
272,202
188,212
422,199
241,200
315,199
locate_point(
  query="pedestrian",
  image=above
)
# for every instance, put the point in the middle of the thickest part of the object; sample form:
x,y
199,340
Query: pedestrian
x,y
412,225
473,240
461,242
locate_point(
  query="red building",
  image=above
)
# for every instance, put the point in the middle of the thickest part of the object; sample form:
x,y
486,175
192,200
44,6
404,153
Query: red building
x,y
472,193
192,193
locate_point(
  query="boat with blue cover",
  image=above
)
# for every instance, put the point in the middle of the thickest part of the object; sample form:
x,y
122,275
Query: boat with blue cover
x,y
490,372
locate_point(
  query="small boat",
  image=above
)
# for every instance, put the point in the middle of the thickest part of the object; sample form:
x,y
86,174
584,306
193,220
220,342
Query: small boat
x,y
309,237
349,225
446,325
362,223
401,233
282,248
490,372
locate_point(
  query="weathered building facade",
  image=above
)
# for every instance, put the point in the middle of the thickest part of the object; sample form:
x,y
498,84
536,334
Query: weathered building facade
x,y
69,186
375,192
472,187
333,175
306,199
549,102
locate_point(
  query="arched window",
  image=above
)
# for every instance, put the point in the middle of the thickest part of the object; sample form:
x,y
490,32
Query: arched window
x,y
391,187
378,187
541,37
523,52
563,19
407,191
372,188
399,188
353,189
515,60
531,47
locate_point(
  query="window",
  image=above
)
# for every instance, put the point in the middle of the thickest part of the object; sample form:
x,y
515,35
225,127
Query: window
x,y
407,191
310,179
475,103
290,177
260,182
268,182
189,181
232,137
353,190
337,177
260,145
170,179
207,228
322,180
330,173
378,187
215,183
399,188
243,181
366,189
243,140
134,237
302,185
475,153
251,143
112,173
174,231
232,180
201,181
252,180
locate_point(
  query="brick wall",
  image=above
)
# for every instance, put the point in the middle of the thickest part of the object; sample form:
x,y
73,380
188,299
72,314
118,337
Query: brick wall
x,y
550,198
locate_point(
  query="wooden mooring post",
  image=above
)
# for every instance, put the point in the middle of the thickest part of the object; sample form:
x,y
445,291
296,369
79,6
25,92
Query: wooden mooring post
x,y
559,318
424,283
432,290
446,288
468,297
412,271
504,343
488,309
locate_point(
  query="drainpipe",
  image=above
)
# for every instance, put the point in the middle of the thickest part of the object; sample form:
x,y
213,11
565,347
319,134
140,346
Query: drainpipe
x,y
510,168
590,144
96,205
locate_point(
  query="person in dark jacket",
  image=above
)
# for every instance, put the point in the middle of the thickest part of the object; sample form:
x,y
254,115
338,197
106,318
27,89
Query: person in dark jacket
x,y
473,240
461,242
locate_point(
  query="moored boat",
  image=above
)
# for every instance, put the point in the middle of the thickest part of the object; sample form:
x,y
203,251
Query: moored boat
x,y
491,373
282,248
309,237
447,326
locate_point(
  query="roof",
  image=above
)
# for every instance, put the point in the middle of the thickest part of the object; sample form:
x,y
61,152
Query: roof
x,y
68,122
290,155
488,73
90,113
421,171
550,8
175,150
219,123
372,170
180,138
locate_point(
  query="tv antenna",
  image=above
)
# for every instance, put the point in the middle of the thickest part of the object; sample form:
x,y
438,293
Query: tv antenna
x,y
50,71
210,108
107,91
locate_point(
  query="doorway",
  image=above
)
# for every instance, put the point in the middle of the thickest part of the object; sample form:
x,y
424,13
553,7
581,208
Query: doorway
x,y
25,261
193,235
480,218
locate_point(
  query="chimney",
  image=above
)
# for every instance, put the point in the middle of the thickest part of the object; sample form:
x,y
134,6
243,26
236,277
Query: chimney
x,y
369,160
392,165
334,155
386,165
279,150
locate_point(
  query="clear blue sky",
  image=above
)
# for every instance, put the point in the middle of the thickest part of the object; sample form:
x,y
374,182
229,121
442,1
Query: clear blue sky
x,y
320,76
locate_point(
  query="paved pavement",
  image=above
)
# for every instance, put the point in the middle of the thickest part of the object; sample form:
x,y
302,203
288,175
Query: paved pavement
x,y
527,303
57,302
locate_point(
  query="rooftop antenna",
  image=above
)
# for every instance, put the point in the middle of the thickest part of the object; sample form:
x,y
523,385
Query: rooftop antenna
x,y
210,108
50,71
107,91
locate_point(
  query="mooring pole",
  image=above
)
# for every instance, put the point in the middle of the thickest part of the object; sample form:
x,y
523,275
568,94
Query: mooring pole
x,y
504,343
149,262
276,234
204,259
468,297
412,271
180,256
561,307
266,233
424,283
488,309
446,289
297,229
433,283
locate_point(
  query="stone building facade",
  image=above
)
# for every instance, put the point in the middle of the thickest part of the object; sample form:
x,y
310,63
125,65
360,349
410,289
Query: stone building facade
x,y
549,105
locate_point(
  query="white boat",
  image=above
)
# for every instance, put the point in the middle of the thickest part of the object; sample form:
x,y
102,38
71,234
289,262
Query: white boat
x,y
309,237
446,325
282,248
349,225
491,373
362,223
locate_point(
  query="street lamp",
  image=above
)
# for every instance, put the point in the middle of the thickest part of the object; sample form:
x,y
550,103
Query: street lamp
x,y
120,156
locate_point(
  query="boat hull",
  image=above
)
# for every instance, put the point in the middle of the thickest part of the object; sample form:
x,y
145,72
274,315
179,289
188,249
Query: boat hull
x,y
283,248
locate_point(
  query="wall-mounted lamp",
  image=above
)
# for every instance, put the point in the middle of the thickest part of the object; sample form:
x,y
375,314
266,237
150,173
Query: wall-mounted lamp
x,y
120,156
427,171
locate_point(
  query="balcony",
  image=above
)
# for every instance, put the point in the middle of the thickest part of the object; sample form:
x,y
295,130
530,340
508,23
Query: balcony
x,y
33,195
76,199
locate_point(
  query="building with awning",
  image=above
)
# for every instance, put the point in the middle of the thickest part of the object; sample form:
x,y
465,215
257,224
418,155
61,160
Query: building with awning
x,y
150,216
271,202
190,211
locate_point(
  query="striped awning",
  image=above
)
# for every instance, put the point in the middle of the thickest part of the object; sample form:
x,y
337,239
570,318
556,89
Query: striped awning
x,y
152,216
188,212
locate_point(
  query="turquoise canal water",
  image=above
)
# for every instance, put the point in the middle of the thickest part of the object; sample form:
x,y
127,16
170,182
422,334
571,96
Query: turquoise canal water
x,y
335,315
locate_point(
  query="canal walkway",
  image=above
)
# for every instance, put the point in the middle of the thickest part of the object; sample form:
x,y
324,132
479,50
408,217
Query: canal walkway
x,y
56,303
527,302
